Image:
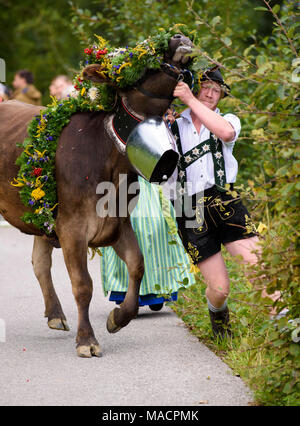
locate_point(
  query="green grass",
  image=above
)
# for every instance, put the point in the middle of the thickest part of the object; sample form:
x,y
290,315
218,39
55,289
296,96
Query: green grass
x,y
261,351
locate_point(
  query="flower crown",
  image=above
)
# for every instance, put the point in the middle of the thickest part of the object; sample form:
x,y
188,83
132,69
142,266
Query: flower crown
x,y
122,67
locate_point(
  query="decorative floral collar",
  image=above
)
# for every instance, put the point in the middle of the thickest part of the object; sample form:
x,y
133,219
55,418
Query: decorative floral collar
x,y
122,67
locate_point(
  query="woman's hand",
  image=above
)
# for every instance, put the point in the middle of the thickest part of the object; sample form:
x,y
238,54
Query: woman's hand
x,y
170,116
184,93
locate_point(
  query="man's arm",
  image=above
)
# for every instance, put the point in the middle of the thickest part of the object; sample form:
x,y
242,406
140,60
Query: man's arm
x,y
211,120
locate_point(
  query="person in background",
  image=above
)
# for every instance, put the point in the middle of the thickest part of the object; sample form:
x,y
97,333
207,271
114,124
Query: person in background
x,y
61,87
24,88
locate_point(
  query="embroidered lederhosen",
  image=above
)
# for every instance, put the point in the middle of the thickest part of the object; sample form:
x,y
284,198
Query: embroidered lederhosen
x,y
220,217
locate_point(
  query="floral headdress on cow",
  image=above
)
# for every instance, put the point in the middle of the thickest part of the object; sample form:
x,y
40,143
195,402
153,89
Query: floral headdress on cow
x,y
120,68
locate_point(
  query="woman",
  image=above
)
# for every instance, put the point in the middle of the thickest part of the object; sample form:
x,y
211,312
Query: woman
x,y
167,266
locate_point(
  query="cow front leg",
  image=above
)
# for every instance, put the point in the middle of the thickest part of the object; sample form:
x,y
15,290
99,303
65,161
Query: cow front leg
x,y
75,255
42,262
128,250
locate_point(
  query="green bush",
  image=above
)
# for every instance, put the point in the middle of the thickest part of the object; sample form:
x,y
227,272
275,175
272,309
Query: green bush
x,y
265,79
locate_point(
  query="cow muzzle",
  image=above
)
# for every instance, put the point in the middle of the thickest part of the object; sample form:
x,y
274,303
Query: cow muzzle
x,y
183,48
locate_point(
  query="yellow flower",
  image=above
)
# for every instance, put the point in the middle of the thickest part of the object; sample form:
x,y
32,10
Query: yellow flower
x,y
82,91
261,228
38,193
102,73
140,48
151,46
17,184
20,181
52,208
123,65
41,127
54,101
143,52
106,64
102,41
39,153
26,150
38,182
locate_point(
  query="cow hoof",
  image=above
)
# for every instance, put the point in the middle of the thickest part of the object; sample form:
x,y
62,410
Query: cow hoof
x,y
58,324
87,351
111,326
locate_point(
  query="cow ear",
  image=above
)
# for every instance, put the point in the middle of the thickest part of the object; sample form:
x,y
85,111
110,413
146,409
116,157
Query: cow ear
x,y
95,72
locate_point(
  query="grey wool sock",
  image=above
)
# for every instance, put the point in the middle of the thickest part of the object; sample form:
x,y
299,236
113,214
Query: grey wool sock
x,y
214,309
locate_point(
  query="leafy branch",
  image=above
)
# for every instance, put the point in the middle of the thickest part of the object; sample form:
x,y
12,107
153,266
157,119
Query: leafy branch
x,y
273,11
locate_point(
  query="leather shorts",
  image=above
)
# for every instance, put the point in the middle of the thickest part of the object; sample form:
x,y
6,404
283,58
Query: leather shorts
x,y
220,218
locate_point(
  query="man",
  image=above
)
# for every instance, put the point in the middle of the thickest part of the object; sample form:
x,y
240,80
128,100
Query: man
x,y
61,86
205,140
24,88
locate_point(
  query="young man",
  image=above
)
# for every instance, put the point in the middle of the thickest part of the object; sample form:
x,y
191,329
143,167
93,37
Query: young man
x,y
205,140
24,88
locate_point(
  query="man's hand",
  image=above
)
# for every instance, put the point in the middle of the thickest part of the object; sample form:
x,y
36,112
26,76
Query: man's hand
x,y
184,93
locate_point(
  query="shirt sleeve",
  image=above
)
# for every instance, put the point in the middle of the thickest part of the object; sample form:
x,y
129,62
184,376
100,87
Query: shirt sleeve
x,y
236,124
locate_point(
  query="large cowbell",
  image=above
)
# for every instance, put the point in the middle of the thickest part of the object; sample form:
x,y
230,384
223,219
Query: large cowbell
x,y
150,149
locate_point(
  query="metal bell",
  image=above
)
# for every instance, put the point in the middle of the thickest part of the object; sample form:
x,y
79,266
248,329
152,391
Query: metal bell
x,y
151,150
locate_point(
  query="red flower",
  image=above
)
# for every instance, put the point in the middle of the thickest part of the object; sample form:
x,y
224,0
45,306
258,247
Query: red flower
x,y
101,52
37,171
76,87
88,51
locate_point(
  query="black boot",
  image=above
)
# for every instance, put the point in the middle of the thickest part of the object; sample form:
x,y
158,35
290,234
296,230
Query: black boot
x,y
220,323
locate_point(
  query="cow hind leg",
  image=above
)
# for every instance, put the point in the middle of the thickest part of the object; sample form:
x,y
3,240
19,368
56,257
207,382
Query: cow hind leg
x,y
128,250
42,262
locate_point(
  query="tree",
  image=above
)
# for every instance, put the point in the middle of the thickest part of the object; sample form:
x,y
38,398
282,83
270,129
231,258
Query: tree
x,y
47,37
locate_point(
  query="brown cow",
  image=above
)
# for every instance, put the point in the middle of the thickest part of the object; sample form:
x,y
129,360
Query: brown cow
x,y
85,149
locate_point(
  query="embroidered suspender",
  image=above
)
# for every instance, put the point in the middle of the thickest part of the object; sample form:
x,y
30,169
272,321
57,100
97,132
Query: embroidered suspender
x,y
213,145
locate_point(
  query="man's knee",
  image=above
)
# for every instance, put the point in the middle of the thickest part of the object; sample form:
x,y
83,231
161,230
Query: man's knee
x,y
218,293
223,292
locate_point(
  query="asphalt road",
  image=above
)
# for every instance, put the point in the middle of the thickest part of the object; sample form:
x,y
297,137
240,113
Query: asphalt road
x,y
153,361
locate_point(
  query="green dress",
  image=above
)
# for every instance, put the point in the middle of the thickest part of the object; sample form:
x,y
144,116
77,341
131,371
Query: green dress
x,y
167,265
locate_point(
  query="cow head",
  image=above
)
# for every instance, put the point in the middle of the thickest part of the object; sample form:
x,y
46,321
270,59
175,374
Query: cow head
x,y
153,93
